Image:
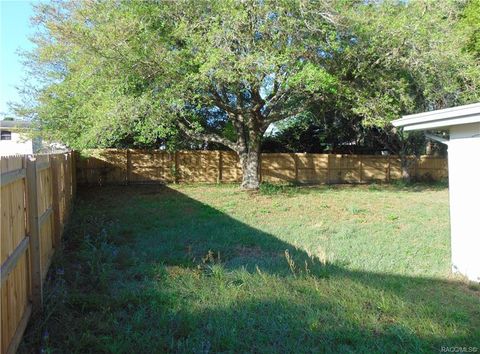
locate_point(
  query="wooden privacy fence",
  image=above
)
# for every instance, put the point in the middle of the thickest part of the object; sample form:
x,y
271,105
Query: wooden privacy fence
x,y
36,197
140,166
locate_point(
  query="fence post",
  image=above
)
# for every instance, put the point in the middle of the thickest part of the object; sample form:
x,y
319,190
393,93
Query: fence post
x,y
361,167
73,156
57,232
220,166
35,246
295,164
389,168
68,183
329,169
129,168
177,171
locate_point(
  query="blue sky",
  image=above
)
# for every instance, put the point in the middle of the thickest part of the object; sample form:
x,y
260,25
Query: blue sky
x,y
15,31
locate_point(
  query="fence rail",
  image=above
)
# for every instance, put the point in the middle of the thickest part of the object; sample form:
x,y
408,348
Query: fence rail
x,y
150,166
36,197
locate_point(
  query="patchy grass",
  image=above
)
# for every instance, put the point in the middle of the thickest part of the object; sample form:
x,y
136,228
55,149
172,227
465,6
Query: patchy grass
x,y
211,269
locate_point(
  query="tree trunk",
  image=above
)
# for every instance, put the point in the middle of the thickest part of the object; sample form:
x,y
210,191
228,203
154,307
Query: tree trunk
x,y
406,170
406,163
429,148
250,169
250,161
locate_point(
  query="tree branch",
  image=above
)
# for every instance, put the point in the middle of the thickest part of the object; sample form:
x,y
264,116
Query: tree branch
x,y
211,137
219,102
279,115
257,98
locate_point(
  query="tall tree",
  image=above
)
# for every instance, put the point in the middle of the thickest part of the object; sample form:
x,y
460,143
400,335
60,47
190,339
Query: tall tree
x,y
223,71
409,57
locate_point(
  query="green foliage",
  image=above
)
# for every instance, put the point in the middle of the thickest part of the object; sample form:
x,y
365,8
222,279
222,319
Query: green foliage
x,y
142,73
470,23
313,79
129,72
411,59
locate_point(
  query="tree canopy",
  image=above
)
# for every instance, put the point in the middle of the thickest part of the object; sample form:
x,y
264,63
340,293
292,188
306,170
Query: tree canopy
x,y
470,24
118,73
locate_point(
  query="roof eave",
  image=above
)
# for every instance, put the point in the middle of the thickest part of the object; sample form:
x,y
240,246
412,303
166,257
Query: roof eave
x,y
444,123
440,119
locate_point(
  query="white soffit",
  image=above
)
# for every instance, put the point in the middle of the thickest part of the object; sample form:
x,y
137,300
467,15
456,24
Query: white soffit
x,y
441,118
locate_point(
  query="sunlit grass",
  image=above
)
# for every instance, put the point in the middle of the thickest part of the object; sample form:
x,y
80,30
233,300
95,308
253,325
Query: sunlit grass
x,y
289,269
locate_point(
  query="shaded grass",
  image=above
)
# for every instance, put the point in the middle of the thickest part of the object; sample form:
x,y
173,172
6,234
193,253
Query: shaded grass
x,y
211,269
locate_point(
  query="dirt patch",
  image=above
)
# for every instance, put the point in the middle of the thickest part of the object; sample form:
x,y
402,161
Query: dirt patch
x,y
249,251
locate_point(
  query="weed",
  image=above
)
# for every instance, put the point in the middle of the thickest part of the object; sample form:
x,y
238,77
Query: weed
x,y
356,210
267,188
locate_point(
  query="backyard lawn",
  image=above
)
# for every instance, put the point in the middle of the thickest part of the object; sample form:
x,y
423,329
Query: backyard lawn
x,y
208,268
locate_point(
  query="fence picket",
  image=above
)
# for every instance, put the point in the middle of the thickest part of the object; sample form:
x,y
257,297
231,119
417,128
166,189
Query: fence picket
x,y
35,244
33,188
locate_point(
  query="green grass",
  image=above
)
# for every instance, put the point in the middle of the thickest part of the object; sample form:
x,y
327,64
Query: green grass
x,y
205,269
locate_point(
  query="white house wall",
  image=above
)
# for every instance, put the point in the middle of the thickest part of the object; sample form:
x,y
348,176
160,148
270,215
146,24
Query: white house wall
x,y
464,189
17,145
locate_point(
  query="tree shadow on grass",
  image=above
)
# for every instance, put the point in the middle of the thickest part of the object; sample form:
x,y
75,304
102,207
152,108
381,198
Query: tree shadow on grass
x,y
187,277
